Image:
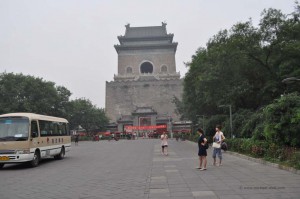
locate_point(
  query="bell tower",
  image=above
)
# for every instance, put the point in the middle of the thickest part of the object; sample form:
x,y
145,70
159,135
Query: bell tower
x,y
147,78
146,51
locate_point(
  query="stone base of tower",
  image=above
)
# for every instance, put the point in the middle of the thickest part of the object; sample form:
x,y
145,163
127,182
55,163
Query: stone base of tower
x,y
123,97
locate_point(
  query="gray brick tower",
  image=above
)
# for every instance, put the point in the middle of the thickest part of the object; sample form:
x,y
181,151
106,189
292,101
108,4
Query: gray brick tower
x,y
147,78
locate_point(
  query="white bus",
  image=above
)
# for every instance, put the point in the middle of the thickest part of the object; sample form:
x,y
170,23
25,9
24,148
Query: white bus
x,y
29,137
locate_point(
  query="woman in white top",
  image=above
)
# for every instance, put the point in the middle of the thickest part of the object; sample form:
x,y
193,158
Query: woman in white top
x,y
218,138
164,143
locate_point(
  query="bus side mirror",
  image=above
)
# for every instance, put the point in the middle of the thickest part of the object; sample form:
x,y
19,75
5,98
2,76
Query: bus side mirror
x,y
34,134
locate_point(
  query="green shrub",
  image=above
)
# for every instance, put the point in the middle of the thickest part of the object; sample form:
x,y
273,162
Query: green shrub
x,y
270,151
295,160
282,120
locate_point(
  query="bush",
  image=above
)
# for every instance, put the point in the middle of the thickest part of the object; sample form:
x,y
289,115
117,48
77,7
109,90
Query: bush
x,y
282,120
295,160
268,150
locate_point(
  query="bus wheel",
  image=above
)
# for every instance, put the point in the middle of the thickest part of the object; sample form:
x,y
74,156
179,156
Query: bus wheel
x,y
1,165
61,155
36,159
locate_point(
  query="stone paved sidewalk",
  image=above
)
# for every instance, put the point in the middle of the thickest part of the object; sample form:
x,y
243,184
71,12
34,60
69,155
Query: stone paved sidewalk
x,y
175,176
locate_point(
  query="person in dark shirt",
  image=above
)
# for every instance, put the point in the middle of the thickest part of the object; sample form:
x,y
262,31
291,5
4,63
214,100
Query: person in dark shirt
x,y
202,153
76,139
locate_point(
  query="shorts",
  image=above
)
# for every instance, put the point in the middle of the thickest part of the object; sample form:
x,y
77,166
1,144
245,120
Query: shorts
x,y
217,151
163,146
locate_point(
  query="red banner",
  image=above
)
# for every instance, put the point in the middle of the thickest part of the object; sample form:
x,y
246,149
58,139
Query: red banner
x,y
145,127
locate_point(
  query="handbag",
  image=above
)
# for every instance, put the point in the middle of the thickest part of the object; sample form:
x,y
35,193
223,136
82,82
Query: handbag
x,y
216,145
224,146
206,146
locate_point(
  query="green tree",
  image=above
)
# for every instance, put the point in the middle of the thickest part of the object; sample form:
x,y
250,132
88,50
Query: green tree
x,y
82,112
244,67
20,93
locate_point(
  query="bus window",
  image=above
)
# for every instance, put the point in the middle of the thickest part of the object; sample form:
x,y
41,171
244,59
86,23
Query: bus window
x,y
45,128
49,128
34,129
14,129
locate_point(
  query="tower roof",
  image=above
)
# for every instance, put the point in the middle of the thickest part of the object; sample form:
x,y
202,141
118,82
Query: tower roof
x,y
142,32
137,38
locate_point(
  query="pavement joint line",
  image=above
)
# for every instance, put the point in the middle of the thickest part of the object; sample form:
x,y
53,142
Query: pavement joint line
x,y
158,177
203,193
159,190
171,170
169,166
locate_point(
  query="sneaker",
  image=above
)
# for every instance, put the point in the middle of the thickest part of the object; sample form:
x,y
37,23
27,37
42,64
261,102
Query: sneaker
x,y
198,168
203,169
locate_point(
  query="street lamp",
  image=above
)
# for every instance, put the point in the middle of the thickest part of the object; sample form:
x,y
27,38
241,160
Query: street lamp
x,y
290,80
170,126
202,121
230,117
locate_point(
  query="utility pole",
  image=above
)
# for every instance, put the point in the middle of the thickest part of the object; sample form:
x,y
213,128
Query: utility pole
x,y
230,117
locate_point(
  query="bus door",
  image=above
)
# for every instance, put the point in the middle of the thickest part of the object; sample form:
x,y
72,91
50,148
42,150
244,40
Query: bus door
x,y
34,133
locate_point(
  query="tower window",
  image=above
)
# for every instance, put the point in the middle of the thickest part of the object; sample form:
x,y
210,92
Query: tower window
x,y
146,67
129,70
164,69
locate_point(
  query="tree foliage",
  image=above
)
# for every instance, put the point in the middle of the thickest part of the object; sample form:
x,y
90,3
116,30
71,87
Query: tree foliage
x,y
282,120
244,67
82,112
21,93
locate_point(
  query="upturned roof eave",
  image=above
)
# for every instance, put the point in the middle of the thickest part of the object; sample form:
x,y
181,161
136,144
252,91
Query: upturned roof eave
x,y
146,46
149,38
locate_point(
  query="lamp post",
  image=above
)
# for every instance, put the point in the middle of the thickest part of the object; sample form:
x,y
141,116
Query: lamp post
x,y
290,80
170,126
230,117
202,121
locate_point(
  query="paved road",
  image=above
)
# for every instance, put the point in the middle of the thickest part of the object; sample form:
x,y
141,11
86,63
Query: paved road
x,y
135,169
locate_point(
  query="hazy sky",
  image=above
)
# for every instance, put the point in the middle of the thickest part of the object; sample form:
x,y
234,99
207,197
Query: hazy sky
x,y
70,42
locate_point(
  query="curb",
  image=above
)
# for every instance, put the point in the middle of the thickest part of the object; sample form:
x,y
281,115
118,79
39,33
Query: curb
x,y
264,162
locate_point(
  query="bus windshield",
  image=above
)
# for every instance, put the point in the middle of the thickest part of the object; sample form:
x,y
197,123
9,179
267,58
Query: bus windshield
x,y
14,129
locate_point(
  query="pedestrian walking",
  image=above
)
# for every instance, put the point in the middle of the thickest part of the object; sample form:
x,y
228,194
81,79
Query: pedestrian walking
x,y
76,139
202,153
164,143
218,138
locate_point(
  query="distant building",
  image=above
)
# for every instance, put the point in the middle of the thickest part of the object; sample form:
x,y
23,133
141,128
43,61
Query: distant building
x,y
142,91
